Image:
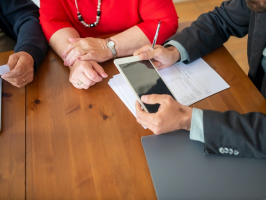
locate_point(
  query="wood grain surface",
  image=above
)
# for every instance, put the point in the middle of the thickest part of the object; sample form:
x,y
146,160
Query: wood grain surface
x,y
12,140
85,144
242,96
82,144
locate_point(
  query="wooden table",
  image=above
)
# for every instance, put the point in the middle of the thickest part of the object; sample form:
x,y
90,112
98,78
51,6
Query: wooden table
x,y
86,144
12,140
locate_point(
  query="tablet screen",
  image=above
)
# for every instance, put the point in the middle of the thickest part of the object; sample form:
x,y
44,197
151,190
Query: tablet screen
x,y
145,80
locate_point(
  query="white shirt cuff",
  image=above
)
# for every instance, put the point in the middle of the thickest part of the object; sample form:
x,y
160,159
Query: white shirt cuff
x,y
196,128
181,49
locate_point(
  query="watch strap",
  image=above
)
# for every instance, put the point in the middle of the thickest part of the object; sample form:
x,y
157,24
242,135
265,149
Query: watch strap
x,y
112,47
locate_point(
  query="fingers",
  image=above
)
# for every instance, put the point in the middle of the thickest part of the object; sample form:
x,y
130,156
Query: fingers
x,y
73,55
85,80
149,120
142,115
100,71
12,61
147,47
84,72
22,80
71,46
21,67
157,64
82,86
156,98
87,56
82,82
17,71
147,53
92,75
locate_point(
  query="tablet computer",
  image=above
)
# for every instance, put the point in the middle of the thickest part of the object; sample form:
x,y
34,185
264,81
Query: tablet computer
x,y
143,78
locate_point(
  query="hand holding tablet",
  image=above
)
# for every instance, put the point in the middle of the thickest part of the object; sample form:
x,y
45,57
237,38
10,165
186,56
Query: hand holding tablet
x,y
143,78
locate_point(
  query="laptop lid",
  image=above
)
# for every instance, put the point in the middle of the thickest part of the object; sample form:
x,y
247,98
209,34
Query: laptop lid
x,y
180,170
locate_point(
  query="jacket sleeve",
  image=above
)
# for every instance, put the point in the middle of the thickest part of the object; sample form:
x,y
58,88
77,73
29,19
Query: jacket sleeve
x,y
213,29
24,16
153,11
243,134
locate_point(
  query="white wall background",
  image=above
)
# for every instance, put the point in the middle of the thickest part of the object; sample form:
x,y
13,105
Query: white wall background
x,y
37,2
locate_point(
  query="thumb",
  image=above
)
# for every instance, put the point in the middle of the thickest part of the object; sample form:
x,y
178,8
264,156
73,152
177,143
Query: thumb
x,y
148,55
143,49
74,39
12,61
153,99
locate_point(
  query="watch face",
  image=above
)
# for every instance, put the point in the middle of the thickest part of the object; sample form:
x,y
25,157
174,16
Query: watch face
x,y
111,43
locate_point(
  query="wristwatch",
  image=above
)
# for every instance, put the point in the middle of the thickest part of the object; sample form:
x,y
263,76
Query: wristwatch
x,y
111,46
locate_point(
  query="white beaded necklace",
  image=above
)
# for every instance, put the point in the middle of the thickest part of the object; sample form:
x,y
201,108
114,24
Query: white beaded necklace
x,y
80,18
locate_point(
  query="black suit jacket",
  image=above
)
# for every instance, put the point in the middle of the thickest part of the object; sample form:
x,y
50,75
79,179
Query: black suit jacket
x,y
244,133
19,19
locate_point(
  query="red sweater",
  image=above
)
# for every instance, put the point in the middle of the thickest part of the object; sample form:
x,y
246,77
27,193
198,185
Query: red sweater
x,y
116,16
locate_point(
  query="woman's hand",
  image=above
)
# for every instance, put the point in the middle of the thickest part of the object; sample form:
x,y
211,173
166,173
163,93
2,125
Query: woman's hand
x,y
84,74
21,69
86,49
161,57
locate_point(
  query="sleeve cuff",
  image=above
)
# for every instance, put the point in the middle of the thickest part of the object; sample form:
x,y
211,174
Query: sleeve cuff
x,y
196,128
181,49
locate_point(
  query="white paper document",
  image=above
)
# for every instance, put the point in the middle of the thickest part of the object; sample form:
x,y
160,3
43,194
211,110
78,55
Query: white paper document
x,y
4,69
188,83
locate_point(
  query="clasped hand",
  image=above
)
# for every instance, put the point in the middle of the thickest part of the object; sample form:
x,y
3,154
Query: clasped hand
x,y
82,56
86,49
21,69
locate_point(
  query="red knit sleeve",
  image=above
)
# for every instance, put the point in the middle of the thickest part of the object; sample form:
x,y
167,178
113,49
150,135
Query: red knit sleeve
x,y
53,17
151,12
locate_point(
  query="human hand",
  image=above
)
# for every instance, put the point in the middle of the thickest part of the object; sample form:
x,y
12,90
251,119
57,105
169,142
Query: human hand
x,y
86,49
161,57
170,116
84,74
21,69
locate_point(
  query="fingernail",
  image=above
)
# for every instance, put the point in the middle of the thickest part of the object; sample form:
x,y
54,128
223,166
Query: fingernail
x,y
104,75
144,98
63,56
